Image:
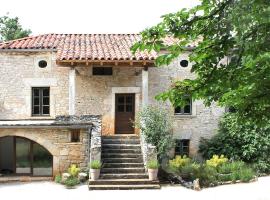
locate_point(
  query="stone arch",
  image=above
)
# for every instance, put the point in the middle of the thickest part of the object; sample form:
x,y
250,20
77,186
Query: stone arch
x,y
41,141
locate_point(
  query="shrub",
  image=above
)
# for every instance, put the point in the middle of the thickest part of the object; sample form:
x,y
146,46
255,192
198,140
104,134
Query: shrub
x,y
190,171
152,164
156,125
178,162
95,164
240,139
58,178
207,175
71,181
216,161
246,174
73,170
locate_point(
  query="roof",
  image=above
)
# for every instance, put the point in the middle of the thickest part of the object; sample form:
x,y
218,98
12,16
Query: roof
x,y
83,47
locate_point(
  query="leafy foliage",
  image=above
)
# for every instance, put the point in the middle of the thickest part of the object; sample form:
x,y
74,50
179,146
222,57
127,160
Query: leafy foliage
x,y
71,181
178,162
231,59
240,139
95,164
156,125
11,29
152,164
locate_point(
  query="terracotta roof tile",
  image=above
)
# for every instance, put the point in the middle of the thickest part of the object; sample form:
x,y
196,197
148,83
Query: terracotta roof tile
x,y
85,46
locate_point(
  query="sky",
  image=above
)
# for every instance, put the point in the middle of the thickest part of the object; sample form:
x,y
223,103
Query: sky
x,y
90,16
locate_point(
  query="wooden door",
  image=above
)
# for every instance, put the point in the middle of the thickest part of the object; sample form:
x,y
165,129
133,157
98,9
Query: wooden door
x,y
124,113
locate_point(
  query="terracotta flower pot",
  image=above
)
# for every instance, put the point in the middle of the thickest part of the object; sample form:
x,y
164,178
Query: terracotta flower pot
x,y
94,174
152,173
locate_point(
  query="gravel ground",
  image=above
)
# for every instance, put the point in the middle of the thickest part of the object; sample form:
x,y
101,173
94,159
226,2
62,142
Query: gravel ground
x,y
259,190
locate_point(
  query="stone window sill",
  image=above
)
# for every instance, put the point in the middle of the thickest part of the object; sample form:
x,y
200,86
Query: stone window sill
x,y
184,116
70,143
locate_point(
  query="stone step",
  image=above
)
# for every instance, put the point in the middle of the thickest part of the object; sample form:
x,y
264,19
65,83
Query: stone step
x,y
122,170
120,141
122,182
123,187
121,146
121,155
121,151
131,136
122,160
124,176
122,165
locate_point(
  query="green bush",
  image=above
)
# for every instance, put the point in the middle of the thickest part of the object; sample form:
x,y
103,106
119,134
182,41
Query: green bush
x,y
71,181
178,162
207,175
156,125
58,178
152,164
216,161
240,139
246,174
95,164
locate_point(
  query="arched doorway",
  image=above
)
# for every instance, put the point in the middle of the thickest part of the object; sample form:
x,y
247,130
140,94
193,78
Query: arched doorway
x,y
21,156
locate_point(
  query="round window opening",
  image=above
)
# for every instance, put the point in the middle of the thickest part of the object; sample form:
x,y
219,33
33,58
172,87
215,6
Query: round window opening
x,y
42,63
183,63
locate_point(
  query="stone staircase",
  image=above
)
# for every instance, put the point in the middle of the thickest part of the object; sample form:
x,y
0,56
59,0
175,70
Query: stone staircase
x,y
123,166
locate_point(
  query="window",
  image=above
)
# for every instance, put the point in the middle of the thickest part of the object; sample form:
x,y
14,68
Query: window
x,y
183,63
103,71
40,101
42,63
184,110
182,147
75,135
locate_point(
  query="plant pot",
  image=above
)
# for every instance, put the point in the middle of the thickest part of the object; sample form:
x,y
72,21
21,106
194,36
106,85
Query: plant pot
x,y
94,174
152,174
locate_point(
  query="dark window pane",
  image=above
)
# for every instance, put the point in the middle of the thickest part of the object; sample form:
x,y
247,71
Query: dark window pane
x,y
36,110
128,108
102,71
182,147
128,99
46,92
46,110
42,161
121,99
187,109
177,110
120,108
36,92
75,136
36,101
46,101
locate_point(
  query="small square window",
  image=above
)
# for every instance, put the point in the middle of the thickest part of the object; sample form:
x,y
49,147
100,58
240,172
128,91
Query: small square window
x,y
182,147
40,101
185,110
75,135
102,71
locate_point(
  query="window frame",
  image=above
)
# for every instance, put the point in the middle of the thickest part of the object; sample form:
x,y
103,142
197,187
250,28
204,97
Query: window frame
x,y
41,103
103,71
76,132
181,146
182,109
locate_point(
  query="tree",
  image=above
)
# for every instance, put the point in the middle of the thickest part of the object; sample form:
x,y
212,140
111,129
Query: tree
x,y
238,30
11,29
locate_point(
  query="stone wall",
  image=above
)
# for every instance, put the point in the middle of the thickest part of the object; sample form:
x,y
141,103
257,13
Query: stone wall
x,y
57,142
95,94
19,73
204,120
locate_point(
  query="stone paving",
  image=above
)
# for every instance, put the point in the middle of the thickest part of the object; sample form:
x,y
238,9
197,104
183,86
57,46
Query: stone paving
x,y
259,190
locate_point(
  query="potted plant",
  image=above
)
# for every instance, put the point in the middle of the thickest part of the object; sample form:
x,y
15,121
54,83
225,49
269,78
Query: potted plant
x,y
95,166
152,166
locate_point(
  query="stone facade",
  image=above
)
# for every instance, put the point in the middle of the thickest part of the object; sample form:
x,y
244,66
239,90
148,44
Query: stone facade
x,y
57,142
94,95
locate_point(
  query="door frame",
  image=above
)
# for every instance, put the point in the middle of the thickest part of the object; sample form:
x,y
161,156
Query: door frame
x,y
115,110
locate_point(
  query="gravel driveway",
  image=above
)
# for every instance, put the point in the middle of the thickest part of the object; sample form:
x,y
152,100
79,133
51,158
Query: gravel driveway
x,y
51,191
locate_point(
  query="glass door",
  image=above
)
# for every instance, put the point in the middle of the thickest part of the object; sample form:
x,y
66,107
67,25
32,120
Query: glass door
x,y
23,156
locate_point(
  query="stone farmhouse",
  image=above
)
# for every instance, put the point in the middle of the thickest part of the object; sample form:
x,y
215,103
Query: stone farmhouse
x,y
69,98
